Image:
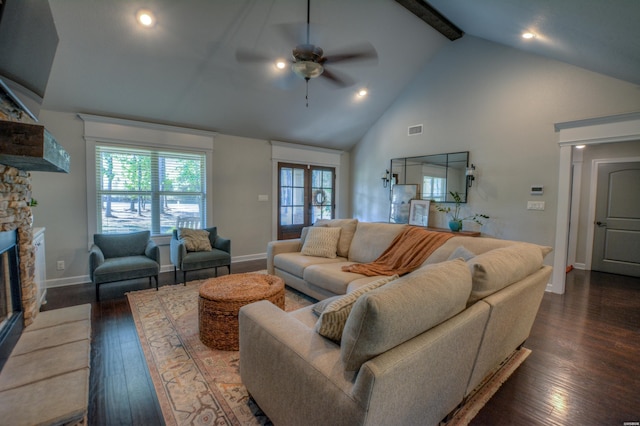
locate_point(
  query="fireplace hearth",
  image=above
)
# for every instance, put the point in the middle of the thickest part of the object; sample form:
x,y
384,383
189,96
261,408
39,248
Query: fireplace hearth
x,y
11,315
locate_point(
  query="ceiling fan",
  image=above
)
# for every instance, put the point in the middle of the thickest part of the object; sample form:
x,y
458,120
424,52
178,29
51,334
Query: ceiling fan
x,y
309,61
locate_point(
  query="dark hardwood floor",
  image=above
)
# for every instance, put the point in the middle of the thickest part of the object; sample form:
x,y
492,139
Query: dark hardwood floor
x,y
584,368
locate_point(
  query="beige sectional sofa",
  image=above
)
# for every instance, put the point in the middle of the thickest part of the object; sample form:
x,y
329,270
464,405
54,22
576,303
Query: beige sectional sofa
x,y
410,351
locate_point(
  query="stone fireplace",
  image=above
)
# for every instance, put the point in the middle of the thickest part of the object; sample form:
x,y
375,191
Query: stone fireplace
x,y
24,145
15,214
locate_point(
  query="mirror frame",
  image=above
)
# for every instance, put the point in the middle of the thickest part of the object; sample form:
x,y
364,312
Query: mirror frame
x,y
450,162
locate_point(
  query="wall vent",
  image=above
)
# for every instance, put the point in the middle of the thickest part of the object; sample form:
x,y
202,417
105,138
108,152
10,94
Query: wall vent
x,y
415,130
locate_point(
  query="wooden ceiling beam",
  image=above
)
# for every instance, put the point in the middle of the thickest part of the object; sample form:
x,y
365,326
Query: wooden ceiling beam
x,y
431,16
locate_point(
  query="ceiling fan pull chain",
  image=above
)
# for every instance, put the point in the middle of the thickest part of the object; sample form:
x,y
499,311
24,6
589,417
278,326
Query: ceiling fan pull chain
x,y
307,94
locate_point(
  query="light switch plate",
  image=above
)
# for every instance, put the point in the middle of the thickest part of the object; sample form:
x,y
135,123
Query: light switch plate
x,y
535,205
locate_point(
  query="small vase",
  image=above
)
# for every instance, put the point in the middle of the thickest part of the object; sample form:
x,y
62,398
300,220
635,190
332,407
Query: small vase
x,y
455,225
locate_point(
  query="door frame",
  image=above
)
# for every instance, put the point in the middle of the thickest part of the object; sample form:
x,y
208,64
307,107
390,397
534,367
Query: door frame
x,y
308,203
285,152
617,128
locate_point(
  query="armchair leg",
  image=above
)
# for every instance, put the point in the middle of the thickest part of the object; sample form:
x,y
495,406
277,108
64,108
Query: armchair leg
x,y
150,283
156,277
175,274
185,278
229,267
97,293
216,268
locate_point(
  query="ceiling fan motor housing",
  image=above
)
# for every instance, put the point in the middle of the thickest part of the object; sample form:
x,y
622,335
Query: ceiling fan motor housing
x,y
307,52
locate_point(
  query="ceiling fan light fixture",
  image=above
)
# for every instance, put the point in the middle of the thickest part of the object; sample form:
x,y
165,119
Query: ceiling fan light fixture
x,y
307,69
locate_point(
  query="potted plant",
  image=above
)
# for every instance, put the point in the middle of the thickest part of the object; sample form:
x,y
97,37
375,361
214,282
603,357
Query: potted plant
x,y
455,224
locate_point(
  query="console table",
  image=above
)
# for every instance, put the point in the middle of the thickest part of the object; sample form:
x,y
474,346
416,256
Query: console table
x,y
463,233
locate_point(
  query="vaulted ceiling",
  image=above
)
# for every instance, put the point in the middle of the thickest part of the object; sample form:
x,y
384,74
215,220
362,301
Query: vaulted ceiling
x,y
184,70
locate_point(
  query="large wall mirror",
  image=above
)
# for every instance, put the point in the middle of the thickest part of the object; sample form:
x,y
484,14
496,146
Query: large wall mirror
x,y
435,175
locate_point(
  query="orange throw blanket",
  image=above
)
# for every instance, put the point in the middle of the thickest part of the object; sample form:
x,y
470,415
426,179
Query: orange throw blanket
x,y
407,252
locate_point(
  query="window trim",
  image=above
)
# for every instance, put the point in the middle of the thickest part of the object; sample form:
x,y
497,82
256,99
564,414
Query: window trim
x,y
131,133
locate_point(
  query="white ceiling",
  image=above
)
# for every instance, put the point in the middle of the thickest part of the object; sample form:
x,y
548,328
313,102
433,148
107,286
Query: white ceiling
x,y
184,72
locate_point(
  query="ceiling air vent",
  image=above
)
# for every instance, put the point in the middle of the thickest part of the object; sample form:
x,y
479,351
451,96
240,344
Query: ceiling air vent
x,y
415,130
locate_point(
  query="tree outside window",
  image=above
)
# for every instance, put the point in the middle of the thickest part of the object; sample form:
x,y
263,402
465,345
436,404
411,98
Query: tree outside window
x,y
146,189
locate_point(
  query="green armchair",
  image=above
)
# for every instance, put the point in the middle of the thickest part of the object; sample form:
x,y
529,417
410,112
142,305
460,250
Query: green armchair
x,y
120,257
219,255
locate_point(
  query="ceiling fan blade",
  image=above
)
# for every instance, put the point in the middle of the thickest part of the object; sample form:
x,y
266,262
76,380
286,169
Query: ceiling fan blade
x,y
251,56
337,78
360,52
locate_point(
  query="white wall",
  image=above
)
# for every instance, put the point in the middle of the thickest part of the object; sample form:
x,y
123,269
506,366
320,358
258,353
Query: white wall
x,y
241,171
501,105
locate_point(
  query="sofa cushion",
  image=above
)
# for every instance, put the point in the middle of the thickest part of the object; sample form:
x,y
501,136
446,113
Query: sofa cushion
x,y
496,269
195,239
321,242
334,316
330,276
125,268
295,263
371,239
122,245
347,231
392,314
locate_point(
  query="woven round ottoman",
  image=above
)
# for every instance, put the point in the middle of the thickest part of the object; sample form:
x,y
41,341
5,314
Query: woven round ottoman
x,y
221,299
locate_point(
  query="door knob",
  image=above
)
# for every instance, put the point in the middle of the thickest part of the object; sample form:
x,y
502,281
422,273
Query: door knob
x,y
601,224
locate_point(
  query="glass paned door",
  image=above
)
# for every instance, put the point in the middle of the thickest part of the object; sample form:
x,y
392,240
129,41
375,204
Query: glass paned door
x,y
306,194
321,194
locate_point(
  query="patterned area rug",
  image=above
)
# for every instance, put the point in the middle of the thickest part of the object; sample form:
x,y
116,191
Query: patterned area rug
x,y
485,390
197,385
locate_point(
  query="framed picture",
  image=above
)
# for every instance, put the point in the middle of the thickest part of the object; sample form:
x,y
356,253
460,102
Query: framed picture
x,y
419,212
401,196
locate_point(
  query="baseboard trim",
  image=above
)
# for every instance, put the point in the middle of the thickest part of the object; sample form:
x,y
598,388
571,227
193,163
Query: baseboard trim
x,y
63,282
248,257
84,279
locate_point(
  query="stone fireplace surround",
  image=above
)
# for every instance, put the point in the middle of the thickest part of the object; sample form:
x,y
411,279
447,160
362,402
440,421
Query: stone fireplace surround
x,y
15,214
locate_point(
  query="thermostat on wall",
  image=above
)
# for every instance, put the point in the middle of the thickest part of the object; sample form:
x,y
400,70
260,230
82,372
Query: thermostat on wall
x,y
537,189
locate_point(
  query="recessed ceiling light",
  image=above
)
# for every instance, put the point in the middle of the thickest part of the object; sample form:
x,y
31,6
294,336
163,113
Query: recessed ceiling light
x,y
281,65
146,18
528,35
580,146
362,92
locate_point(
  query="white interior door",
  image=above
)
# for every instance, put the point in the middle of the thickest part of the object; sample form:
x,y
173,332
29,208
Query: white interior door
x,y
616,243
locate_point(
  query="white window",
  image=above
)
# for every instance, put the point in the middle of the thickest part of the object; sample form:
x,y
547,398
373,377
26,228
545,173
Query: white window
x,y
143,176
434,188
148,189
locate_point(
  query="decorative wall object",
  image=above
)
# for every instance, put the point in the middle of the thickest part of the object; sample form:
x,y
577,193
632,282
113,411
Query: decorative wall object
x,y
419,212
401,196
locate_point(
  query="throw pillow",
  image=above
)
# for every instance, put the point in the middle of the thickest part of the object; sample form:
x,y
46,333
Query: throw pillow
x,y
348,229
321,242
303,234
334,317
195,239
462,252
319,307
